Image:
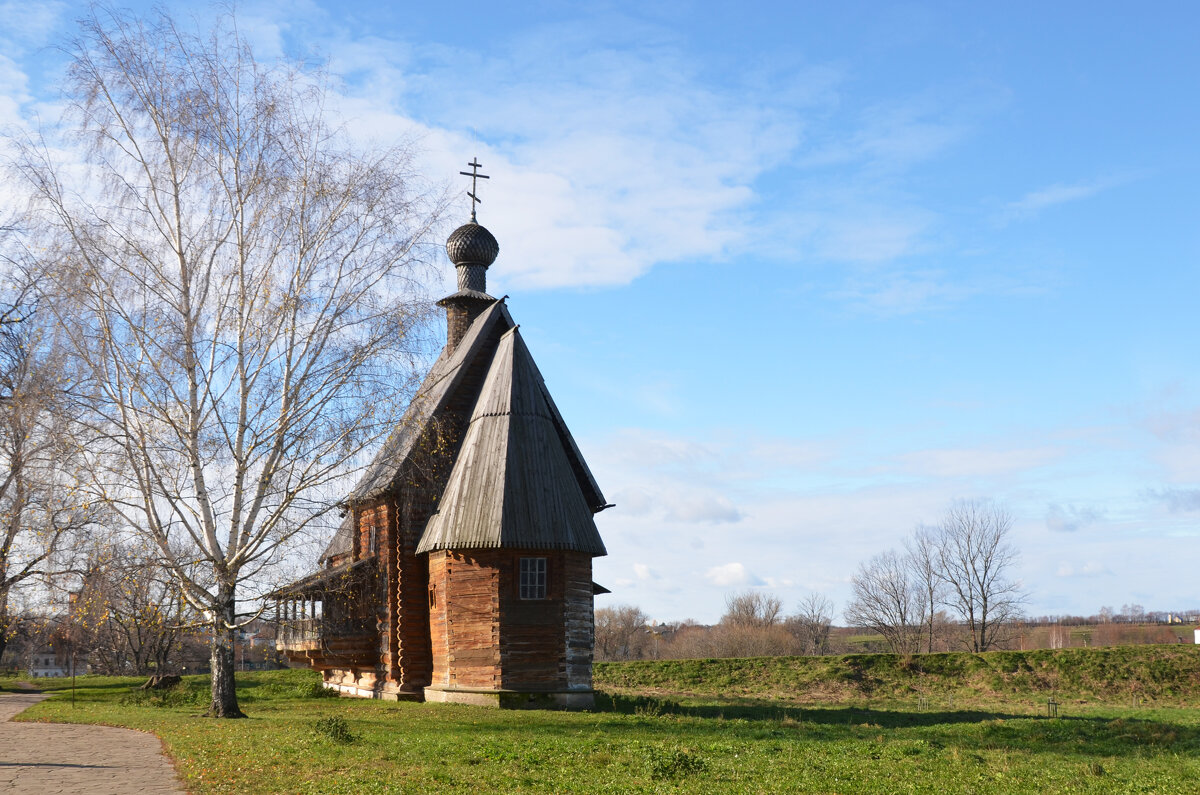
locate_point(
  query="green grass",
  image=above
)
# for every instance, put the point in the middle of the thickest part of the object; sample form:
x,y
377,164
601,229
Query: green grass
x,y
294,741
1158,674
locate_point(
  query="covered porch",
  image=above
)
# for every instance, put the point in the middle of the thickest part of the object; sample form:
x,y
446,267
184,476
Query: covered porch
x,y
327,619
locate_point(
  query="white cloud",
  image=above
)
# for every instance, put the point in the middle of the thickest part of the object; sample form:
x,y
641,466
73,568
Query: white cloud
x,y
731,574
958,463
29,23
1175,427
887,236
14,93
811,511
644,572
1060,193
26,27
678,503
616,155
1177,500
1178,435
698,506
891,136
1090,569
1069,518
905,293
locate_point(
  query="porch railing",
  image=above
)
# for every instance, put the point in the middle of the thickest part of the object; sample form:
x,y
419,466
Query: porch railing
x,y
298,632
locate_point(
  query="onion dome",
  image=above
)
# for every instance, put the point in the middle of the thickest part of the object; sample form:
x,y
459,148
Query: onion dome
x,y
472,244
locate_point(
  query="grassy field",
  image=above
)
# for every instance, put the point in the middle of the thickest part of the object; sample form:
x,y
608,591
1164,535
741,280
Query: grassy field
x,y
735,734
1167,675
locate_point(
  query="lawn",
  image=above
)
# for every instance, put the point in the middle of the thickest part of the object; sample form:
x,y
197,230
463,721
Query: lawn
x,y
297,741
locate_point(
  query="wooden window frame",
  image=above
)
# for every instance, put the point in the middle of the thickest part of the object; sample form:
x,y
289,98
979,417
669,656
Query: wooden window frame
x,y
533,579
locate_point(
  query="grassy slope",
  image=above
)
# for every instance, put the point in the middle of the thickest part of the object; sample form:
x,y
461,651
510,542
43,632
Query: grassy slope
x,y
1163,674
696,743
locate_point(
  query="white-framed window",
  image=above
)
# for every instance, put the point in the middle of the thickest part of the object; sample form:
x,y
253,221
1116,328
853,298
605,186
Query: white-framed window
x,y
533,578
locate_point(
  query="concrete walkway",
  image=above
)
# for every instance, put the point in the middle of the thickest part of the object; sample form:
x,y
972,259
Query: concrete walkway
x,y
59,757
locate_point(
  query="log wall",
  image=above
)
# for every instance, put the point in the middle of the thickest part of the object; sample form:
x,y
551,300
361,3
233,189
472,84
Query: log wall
x,y
578,620
376,536
485,636
533,656
412,582
464,620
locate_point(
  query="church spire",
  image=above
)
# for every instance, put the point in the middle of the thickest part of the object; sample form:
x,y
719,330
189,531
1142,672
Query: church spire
x,y
474,175
472,249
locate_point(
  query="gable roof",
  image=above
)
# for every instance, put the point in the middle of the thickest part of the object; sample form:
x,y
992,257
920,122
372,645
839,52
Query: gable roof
x,y
437,388
519,481
342,542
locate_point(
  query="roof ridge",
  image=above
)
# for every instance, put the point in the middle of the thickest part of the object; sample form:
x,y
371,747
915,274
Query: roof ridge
x,y
515,483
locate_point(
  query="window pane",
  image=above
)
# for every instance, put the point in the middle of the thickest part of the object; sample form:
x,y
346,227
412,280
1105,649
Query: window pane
x,y
533,578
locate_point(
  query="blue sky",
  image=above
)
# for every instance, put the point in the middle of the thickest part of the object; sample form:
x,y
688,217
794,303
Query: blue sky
x,y
800,275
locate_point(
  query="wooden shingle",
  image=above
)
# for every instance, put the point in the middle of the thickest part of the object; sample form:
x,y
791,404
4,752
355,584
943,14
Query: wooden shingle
x,y
517,480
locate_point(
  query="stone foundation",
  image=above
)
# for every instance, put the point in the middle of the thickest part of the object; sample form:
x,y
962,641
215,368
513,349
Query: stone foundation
x,y
366,684
512,699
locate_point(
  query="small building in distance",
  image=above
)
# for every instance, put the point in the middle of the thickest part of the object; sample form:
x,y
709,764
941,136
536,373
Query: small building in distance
x,y
463,568
46,663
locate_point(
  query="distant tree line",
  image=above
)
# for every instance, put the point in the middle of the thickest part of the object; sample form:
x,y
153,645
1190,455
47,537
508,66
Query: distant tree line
x,y
948,587
754,625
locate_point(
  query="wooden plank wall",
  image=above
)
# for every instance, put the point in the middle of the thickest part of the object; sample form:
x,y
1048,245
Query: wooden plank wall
x,y
578,620
533,655
464,622
484,635
411,591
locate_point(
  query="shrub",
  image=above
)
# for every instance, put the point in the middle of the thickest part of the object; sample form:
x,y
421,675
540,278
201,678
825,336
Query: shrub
x,y
665,764
186,694
335,728
315,690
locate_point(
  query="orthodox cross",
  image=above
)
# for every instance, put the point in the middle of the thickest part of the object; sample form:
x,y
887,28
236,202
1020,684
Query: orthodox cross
x,y
474,175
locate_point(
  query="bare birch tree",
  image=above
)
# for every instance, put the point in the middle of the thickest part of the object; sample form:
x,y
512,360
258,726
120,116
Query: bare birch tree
x,y
244,286
923,556
41,503
811,623
975,562
886,601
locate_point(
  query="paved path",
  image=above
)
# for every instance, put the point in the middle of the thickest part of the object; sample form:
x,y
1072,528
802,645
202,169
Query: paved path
x,y
60,757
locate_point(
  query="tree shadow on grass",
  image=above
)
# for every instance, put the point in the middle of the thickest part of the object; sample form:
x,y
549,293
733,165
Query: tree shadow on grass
x,y
82,685
968,729
845,716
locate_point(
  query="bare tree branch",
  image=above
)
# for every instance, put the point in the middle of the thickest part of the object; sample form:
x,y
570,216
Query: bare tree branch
x,y
246,287
886,601
975,562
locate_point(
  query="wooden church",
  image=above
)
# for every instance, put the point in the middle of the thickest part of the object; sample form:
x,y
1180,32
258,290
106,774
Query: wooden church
x,y
463,568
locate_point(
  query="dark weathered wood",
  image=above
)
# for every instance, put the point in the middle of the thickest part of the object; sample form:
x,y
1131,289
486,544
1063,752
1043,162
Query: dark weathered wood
x,y
437,389
513,484
482,472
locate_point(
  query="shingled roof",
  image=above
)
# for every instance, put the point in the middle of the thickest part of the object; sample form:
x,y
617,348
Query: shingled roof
x,y
553,459
342,542
444,377
519,481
